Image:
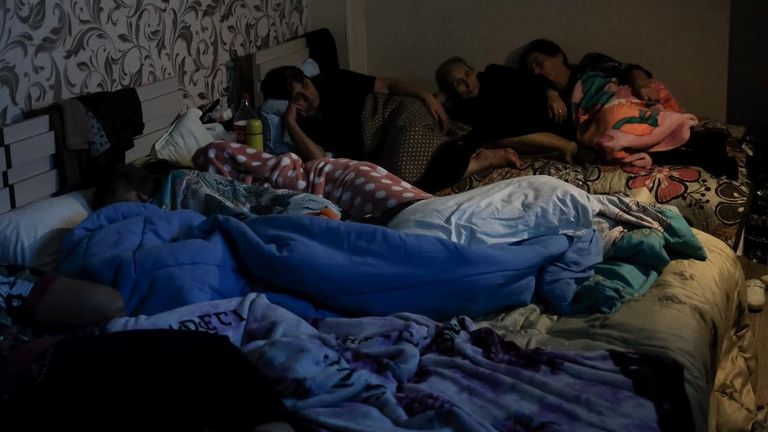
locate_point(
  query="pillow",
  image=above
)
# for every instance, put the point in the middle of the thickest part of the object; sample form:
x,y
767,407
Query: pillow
x,y
186,135
271,114
276,141
31,235
310,67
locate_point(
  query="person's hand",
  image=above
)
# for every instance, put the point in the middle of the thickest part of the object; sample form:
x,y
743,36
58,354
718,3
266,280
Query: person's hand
x,y
646,92
437,111
289,116
557,110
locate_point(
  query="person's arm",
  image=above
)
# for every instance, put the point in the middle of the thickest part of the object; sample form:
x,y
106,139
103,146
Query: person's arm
x,y
31,296
402,88
305,146
557,109
72,301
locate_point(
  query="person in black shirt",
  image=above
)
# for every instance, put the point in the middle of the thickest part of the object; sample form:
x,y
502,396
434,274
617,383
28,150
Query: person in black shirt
x,y
325,115
505,107
704,148
545,58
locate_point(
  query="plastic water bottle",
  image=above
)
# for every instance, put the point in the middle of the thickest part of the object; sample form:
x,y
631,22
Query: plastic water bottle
x,y
255,134
240,121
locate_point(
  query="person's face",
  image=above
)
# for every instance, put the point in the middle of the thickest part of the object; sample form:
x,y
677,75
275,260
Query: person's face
x,y
463,81
551,67
304,95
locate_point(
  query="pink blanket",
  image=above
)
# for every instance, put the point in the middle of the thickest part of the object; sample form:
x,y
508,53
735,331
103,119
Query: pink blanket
x,y
624,128
358,188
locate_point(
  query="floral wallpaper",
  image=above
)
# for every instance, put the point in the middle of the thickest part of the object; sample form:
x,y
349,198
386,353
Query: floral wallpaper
x,y
57,49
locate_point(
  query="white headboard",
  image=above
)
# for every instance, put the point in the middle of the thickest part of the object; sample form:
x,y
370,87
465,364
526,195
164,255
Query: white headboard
x,y
27,162
160,105
27,148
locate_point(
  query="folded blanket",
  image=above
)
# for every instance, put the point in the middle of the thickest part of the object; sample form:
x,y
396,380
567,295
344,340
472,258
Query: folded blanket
x,y
407,372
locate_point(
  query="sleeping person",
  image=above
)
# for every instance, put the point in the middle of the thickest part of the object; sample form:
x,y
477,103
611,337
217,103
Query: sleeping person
x,y
363,117
623,112
552,223
505,107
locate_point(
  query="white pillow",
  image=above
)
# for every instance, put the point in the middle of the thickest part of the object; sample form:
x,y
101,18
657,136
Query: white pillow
x,y
31,235
186,135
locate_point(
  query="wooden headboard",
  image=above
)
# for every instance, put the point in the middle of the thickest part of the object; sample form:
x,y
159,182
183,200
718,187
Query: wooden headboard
x,y
27,148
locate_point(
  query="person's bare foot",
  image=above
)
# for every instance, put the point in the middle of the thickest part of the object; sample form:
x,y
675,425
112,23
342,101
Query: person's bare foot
x,y
487,158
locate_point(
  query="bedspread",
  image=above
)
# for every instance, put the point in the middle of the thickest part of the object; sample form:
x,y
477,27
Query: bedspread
x,y
407,372
694,314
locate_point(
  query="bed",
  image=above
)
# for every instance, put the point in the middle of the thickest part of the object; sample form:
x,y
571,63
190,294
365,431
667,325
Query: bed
x,y
693,315
716,205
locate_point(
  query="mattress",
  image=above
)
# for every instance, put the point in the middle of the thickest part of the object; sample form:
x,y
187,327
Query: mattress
x,y
694,314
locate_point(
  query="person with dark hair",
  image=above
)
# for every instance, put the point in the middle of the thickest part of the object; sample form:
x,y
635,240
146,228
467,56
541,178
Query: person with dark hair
x,y
335,99
505,107
545,58
623,112
338,112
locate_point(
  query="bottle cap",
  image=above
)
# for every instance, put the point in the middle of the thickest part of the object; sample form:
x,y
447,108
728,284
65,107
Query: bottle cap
x,y
254,126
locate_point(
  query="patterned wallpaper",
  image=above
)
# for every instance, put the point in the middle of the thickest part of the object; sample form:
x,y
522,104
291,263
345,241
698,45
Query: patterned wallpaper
x,y
51,50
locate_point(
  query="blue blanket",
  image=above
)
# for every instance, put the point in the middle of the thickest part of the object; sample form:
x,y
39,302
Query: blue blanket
x,y
160,260
406,372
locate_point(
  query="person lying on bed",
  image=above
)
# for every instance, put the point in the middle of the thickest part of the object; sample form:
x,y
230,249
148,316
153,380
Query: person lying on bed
x,y
501,213
54,375
501,218
506,107
643,118
327,114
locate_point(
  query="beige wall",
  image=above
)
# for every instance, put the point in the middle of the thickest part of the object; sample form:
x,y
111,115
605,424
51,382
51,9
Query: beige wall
x,y
330,14
683,43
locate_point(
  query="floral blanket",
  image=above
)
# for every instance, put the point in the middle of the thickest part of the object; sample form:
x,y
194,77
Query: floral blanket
x,y
715,205
624,128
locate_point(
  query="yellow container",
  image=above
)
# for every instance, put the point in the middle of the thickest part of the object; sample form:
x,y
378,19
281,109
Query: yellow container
x,y
255,135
